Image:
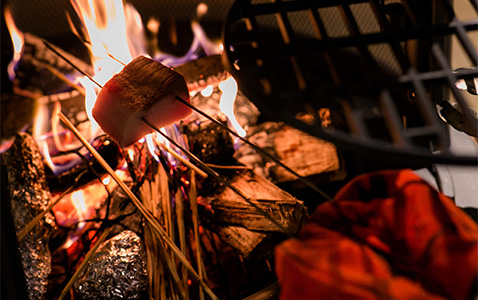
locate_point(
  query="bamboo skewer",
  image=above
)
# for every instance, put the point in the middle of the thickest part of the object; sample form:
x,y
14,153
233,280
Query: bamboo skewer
x,y
178,201
184,161
195,219
84,263
257,148
40,216
154,223
219,178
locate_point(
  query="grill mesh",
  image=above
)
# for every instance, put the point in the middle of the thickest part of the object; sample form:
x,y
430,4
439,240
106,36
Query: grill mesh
x,y
382,67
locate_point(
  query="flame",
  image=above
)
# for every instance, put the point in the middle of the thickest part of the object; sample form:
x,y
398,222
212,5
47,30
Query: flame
x,y
105,26
78,200
151,146
200,42
90,99
17,41
226,104
207,91
115,34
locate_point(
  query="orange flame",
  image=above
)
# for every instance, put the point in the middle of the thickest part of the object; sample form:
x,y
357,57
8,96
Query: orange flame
x,y
17,40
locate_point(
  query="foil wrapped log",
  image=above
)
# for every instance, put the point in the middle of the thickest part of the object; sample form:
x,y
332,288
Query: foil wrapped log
x,y
117,270
29,195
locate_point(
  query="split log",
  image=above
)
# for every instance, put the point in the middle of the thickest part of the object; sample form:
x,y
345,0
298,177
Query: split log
x,y
232,209
243,240
202,72
303,153
243,226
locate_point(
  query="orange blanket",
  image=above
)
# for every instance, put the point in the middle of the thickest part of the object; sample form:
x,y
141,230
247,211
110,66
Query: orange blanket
x,y
387,235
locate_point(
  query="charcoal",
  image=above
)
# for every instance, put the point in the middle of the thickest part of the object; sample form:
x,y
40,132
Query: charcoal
x,y
88,169
210,142
29,195
117,270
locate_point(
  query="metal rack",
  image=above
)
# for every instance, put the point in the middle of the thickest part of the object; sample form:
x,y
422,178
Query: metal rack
x,y
380,68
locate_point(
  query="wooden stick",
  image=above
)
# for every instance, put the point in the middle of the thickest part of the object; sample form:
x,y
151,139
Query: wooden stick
x,y
178,201
40,216
257,148
195,219
219,178
84,263
154,223
184,161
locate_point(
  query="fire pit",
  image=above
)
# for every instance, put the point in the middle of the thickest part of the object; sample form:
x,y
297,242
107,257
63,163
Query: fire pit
x,y
175,216
195,209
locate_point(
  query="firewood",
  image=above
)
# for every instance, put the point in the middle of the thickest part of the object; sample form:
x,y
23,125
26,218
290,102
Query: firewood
x,y
303,153
240,238
231,209
31,73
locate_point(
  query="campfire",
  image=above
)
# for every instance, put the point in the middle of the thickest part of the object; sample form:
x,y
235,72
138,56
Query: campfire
x,y
190,211
206,197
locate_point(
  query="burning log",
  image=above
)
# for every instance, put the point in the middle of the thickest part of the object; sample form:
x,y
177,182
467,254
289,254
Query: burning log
x,y
241,239
202,72
243,226
33,72
229,208
210,142
306,155
29,195
117,270
89,169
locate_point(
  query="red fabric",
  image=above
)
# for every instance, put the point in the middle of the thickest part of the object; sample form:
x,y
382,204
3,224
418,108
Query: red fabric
x,y
387,235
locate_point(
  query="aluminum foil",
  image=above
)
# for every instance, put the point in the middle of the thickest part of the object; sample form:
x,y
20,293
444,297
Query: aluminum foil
x,y
29,195
117,270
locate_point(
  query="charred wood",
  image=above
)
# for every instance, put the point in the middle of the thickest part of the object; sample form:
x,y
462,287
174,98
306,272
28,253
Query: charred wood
x,y
210,142
31,73
89,169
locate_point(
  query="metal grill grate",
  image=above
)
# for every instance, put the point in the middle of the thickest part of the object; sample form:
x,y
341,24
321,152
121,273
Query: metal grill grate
x,y
380,67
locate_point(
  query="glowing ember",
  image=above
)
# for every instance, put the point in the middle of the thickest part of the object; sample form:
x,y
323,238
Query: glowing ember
x,y
17,40
229,92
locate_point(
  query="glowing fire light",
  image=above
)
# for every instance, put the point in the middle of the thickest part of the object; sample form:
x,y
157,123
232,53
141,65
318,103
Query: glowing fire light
x,y
78,201
226,104
151,146
105,25
90,99
106,180
207,91
17,40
